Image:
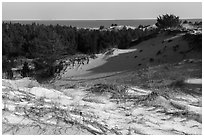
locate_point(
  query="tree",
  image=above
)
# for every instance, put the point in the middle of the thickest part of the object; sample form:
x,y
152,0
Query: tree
x,y
101,27
185,22
168,21
114,25
25,70
140,26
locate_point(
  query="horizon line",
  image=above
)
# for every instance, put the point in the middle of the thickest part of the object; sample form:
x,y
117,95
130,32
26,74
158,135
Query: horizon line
x,y
87,19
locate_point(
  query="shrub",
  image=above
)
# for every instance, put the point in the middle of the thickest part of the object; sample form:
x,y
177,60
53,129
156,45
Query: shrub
x,y
175,48
7,65
198,23
185,22
195,41
114,24
101,27
117,91
93,56
151,60
177,83
110,52
168,21
45,68
140,26
169,40
158,53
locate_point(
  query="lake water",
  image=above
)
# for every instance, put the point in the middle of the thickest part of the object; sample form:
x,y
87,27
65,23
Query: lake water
x,y
93,23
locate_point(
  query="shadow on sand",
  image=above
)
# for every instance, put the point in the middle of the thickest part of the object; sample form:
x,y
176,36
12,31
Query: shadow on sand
x,y
120,63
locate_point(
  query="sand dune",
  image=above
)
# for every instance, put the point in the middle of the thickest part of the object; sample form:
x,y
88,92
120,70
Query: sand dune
x,y
30,108
80,111
162,49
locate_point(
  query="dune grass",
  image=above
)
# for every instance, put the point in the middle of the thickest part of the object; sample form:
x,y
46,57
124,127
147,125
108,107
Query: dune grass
x,y
166,77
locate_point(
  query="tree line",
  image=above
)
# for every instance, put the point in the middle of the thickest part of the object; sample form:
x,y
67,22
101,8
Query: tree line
x,y
49,43
34,40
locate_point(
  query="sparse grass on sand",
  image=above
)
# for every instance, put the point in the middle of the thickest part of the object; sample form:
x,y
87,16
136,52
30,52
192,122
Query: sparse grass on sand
x,y
164,81
152,77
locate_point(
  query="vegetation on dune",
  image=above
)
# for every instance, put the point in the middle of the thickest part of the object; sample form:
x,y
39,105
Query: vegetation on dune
x,y
116,90
46,44
165,77
152,92
195,41
168,21
36,40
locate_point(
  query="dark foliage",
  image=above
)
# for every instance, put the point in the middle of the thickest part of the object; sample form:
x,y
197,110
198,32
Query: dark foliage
x,y
101,27
151,60
158,53
168,21
177,83
46,44
143,38
25,70
185,22
117,91
114,24
198,23
175,48
194,40
169,40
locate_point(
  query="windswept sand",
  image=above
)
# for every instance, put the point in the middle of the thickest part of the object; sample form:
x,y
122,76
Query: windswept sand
x,y
38,110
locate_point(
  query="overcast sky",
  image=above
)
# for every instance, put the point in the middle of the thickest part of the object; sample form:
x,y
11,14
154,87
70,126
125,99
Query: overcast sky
x,y
135,10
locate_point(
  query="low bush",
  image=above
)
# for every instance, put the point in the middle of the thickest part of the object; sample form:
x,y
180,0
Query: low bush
x,y
195,41
158,53
177,84
151,60
116,90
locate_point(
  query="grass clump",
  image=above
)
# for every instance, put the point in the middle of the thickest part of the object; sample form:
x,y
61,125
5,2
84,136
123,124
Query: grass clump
x,y
116,90
179,83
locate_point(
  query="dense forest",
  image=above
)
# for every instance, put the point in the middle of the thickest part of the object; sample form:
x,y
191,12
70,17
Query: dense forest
x,y
49,43
37,40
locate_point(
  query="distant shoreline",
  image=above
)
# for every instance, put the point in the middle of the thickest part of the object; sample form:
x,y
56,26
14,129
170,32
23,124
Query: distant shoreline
x,y
93,23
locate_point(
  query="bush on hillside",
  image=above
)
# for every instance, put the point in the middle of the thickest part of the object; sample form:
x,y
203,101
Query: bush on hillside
x,y
45,68
151,60
158,53
168,21
117,91
198,23
177,83
185,22
101,27
195,41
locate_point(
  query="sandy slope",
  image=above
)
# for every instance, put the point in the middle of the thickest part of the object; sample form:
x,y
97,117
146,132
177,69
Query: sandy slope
x,y
29,108
37,110
139,56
